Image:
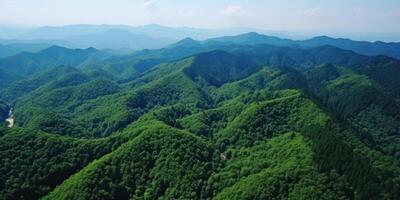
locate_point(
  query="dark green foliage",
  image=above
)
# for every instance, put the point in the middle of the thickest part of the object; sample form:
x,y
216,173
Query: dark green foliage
x,y
231,118
289,183
362,102
15,48
33,162
219,67
167,91
271,118
171,115
7,77
4,108
265,79
23,87
70,79
333,153
321,74
161,163
330,54
51,122
25,64
100,74
384,71
280,168
130,70
41,108
208,123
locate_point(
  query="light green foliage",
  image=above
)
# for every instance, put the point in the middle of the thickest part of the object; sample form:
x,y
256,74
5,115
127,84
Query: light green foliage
x,y
201,120
160,163
280,168
270,118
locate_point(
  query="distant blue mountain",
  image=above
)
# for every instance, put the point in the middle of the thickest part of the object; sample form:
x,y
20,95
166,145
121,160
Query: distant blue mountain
x,y
253,38
155,36
15,48
117,39
62,32
362,47
110,39
152,30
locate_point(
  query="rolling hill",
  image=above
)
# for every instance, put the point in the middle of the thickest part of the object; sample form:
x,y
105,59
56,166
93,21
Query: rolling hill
x,y
244,117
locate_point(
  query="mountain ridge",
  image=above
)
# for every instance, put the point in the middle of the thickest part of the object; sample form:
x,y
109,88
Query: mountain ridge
x,y
231,119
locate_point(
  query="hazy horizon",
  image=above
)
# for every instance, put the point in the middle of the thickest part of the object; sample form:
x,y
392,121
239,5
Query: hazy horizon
x,y
356,19
285,34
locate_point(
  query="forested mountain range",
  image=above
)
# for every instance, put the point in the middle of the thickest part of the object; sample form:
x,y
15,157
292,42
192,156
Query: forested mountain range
x,y
153,36
236,117
361,47
15,48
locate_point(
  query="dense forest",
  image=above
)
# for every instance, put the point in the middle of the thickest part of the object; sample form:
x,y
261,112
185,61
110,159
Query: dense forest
x,y
226,118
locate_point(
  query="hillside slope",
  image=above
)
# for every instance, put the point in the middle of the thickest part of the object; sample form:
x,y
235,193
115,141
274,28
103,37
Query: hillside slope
x,y
202,121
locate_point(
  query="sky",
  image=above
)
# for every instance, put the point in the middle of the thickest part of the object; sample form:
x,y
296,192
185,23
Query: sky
x,y
362,18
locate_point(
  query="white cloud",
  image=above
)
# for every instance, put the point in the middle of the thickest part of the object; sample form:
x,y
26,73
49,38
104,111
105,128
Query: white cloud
x,y
148,3
233,10
311,12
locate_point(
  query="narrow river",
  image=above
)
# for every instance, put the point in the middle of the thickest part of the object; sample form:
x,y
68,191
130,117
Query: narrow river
x,y
10,119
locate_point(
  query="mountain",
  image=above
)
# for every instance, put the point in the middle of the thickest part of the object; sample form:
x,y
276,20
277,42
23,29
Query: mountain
x,y
186,42
361,47
366,48
12,32
156,36
23,87
218,67
252,38
152,30
58,33
13,49
225,118
117,39
25,64
7,77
